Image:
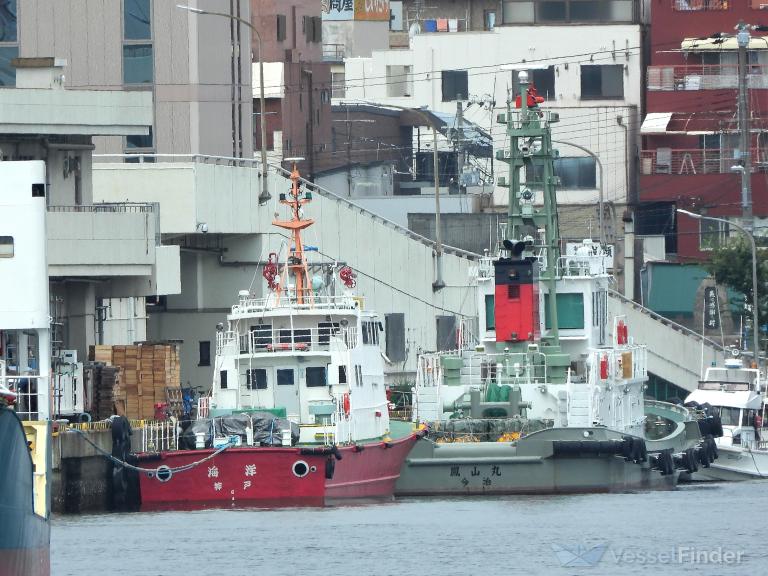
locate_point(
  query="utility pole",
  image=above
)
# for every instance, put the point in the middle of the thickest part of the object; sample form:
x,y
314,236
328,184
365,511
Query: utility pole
x,y
460,150
348,122
743,38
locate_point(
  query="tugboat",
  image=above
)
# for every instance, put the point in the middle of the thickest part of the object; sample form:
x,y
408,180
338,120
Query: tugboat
x,y
25,461
736,394
550,397
298,412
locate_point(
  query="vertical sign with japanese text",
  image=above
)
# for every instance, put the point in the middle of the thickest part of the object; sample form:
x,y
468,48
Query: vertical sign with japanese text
x,y
711,312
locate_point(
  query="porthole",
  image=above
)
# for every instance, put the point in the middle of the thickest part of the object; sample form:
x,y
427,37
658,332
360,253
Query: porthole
x,y
300,468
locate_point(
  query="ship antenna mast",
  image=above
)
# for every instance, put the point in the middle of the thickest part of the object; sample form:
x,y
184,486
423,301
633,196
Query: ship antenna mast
x,y
297,262
530,137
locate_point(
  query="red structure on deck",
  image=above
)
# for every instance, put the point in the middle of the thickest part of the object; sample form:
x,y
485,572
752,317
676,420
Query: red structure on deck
x,y
516,300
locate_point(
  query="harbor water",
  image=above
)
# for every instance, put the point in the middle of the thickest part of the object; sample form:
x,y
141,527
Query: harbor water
x,y
701,529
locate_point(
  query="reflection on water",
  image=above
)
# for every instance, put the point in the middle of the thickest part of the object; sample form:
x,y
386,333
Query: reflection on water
x,y
692,530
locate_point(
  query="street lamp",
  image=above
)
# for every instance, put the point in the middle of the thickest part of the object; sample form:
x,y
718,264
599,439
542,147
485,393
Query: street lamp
x,y
751,239
602,181
265,196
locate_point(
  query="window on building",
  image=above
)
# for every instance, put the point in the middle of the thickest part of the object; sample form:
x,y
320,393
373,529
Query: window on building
x,y
395,336
455,84
338,89
602,81
577,173
139,141
137,19
285,376
205,353
137,64
8,72
6,246
399,81
712,234
8,23
552,11
543,80
281,27
316,377
549,11
256,379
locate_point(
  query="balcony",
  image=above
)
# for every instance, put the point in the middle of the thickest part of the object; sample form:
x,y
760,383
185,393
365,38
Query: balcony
x,y
700,5
112,240
703,77
695,161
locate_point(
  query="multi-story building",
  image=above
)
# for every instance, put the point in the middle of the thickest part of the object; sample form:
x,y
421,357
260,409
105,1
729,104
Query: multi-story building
x,y
586,62
297,82
691,129
102,258
177,85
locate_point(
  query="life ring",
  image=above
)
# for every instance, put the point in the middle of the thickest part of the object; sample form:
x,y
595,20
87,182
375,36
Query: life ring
x,y
345,403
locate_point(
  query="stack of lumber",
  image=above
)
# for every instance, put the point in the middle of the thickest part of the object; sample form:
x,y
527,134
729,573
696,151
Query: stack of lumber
x,y
106,391
146,371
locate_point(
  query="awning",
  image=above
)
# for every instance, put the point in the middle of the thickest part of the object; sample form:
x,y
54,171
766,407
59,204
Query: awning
x,y
688,123
655,123
718,44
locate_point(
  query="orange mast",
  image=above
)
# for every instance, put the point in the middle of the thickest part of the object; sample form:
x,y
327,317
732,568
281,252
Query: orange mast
x,y
297,263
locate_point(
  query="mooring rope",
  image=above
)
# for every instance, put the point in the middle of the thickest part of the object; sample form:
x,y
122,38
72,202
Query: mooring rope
x,y
119,462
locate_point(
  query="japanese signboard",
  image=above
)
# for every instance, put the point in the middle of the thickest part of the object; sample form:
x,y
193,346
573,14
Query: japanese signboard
x,y
372,10
338,9
355,10
711,312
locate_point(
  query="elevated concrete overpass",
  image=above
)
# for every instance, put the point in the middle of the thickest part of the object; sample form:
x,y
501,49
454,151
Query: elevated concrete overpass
x,y
675,353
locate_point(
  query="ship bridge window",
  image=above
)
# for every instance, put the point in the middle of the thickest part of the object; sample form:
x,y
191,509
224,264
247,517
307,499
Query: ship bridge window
x,y
325,330
729,416
342,374
256,379
570,311
6,246
262,335
316,376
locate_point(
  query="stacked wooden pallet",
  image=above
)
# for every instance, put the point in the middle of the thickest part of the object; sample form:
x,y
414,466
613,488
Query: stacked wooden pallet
x,y
147,370
106,391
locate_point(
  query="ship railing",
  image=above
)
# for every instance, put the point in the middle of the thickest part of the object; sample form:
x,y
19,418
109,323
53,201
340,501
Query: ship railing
x,y
289,300
226,342
266,340
25,387
582,265
160,436
622,363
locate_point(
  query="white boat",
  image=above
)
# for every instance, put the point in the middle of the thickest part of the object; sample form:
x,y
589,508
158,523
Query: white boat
x,y
735,393
298,394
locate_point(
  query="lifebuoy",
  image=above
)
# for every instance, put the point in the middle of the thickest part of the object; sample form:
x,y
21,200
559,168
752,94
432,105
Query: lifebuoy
x,y
345,404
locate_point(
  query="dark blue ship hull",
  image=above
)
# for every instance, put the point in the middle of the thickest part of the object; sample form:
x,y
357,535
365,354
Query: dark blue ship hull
x,y
24,536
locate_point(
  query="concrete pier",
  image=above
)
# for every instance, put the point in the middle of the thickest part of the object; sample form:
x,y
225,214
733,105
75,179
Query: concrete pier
x,y
82,476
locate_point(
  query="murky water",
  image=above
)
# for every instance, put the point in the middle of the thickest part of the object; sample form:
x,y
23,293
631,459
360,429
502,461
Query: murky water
x,y
713,529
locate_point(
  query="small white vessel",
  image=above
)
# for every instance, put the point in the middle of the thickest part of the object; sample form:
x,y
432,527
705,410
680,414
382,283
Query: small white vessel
x,y
735,393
